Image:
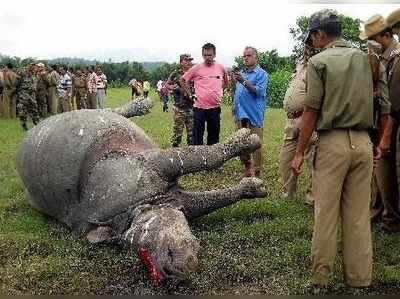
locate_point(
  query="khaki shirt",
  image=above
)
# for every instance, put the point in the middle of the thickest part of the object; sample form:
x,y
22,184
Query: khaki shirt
x,y
53,79
296,91
340,87
391,59
80,82
10,80
42,82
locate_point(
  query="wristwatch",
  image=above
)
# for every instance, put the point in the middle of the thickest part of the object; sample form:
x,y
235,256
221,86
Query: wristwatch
x,y
244,83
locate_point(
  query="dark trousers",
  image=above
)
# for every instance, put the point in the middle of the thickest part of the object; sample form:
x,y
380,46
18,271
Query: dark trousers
x,y
202,116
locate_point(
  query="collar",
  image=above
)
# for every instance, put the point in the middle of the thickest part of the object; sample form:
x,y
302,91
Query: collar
x,y
252,70
339,43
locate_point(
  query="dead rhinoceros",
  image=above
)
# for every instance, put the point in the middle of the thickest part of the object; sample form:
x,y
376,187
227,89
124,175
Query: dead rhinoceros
x,y
99,173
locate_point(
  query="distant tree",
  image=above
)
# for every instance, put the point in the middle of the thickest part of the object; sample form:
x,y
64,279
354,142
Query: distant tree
x,y
162,72
350,30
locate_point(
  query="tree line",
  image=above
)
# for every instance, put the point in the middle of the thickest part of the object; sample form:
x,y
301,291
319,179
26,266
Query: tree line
x,y
279,68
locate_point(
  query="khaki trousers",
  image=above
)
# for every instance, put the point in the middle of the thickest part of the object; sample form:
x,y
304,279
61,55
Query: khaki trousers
x,y
257,156
92,101
342,190
385,199
9,103
53,100
1,106
286,156
65,104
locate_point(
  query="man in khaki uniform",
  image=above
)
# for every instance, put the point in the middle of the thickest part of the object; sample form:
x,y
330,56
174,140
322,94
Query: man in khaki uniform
x,y
80,90
377,29
293,105
53,82
339,105
42,89
9,95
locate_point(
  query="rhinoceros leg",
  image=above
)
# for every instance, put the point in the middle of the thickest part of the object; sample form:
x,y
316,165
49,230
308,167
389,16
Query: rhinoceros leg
x,y
196,204
134,108
172,163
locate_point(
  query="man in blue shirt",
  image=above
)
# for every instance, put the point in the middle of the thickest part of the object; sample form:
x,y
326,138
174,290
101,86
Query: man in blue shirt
x,y
250,102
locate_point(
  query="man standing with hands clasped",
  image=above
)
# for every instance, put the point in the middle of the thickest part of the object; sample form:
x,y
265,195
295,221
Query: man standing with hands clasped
x,y
209,80
339,105
250,101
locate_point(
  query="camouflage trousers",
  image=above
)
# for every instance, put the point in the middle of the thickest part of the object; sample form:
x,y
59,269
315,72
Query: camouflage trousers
x,y
81,98
183,118
27,106
41,100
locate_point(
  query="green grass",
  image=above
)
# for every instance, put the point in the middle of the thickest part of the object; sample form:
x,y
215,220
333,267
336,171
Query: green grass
x,y
254,247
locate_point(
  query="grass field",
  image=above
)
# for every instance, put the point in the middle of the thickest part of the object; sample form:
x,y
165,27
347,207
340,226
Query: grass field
x,y
254,247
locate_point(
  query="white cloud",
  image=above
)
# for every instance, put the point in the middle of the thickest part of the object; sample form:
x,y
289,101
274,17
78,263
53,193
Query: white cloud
x,y
155,29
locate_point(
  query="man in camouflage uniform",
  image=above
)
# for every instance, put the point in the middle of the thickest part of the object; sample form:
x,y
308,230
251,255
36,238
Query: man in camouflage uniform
x,y
9,96
79,89
183,103
376,29
53,82
42,89
293,105
339,106
26,94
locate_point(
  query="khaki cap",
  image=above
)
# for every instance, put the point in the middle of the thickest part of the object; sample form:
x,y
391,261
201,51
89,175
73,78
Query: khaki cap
x,y
393,18
185,56
40,64
373,26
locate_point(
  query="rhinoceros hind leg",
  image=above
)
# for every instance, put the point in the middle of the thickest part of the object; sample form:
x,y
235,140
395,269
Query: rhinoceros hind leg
x,y
196,204
174,162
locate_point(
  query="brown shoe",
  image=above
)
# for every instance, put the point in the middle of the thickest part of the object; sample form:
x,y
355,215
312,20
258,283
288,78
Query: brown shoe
x,y
257,174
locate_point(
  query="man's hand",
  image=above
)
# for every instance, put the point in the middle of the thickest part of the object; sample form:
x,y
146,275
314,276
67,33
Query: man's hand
x,y
296,164
377,155
238,77
384,145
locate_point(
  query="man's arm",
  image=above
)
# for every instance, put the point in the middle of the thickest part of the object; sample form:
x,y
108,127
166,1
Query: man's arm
x,y
307,127
385,121
312,106
225,83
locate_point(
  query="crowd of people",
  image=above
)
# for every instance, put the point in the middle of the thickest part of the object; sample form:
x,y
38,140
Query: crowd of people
x,y
37,91
343,115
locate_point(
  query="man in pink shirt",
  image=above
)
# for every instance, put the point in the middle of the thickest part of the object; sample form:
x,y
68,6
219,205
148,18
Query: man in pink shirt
x,y
209,79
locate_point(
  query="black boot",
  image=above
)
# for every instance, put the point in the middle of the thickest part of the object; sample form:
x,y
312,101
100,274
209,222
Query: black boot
x,y
24,127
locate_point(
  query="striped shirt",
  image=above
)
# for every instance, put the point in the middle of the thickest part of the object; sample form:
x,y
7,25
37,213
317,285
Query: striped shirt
x,y
64,85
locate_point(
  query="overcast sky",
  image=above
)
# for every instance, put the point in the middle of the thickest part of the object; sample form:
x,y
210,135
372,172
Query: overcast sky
x,y
157,30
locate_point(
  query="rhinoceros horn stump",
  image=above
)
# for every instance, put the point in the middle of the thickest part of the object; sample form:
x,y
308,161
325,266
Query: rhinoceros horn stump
x,y
99,173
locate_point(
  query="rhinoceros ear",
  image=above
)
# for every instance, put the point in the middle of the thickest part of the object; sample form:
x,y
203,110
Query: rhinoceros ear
x,y
101,234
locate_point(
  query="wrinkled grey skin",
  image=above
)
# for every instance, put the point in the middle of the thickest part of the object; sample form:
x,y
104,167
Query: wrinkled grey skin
x,y
99,173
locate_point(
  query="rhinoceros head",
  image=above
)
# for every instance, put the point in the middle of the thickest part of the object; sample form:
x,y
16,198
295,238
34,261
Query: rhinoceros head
x,y
166,245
